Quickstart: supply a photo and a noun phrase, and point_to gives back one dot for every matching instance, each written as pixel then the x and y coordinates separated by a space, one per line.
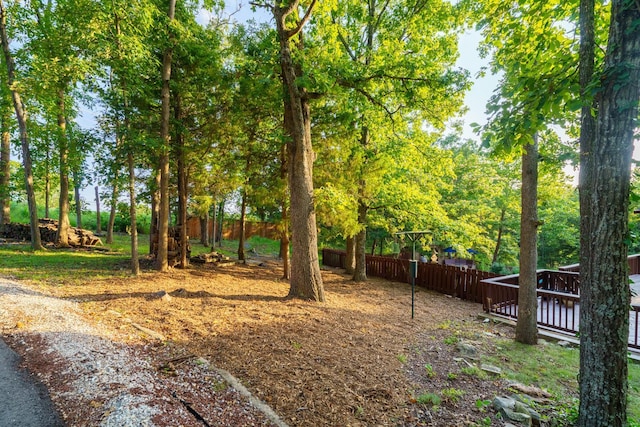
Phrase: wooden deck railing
pixel 634 265
pixel 558 301
pixel 454 281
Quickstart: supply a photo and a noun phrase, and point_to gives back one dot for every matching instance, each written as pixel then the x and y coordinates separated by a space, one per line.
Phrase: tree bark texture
pixel 496 251
pixel 76 193
pixel 98 215
pixel 527 324
pixel 241 240
pixel 284 222
pixel 183 187
pixel 360 271
pixel 306 280
pixel 47 183
pixel 360 268
pixel 605 295
pixel 113 208
pixel 135 262
pixel 5 172
pixel 63 146
pixel 350 256
pixel 21 116
pixel 163 166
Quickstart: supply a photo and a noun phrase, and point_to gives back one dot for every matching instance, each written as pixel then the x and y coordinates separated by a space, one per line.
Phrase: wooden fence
pixel 231 229
pixel 449 280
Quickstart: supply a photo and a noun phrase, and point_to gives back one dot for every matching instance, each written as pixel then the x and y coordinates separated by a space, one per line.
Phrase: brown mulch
pixel 356 360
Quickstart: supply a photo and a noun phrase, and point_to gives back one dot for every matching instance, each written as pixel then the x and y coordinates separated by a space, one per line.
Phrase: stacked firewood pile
pixel 174 250
pixel 211 257
pixel 48 231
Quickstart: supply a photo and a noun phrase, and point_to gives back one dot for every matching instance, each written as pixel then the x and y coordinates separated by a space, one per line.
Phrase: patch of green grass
pixel 451 340
pixel 452 395
pixel 402 358
pixel 452 376
pixel 59 266
pixel 474 371
pixel 555 369
pixel 430 372
pixel 429 399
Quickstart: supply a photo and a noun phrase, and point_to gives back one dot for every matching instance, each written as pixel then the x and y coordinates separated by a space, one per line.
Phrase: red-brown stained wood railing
pixel 558 291
pixel 450 280
pixel 634 265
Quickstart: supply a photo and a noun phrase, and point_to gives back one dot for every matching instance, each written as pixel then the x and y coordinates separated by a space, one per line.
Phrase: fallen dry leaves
pixel 341 363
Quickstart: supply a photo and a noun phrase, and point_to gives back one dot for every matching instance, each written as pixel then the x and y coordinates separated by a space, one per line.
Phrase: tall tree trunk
pixel 155 206
pixel 306 280
pixel 204 229
pixel 214 226
pixel 62 236
pixel 47 183
pixel 98 217
pixel 115 193
pixel 163 211
pixel 135 262
pixel 242 224
pixel 76 194
pixel 350 256
pixel 182 185
pixel 284 242
pixel 284 221
pixel 21 116
pixel 360 271
pixel 5 171
pixel 605 181
pixel 496 251
pixel 527 325
pixel 220 222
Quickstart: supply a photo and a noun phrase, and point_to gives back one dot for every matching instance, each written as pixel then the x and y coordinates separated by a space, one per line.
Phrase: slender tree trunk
pixel 284 208
pixel 63 205
pixel 496 251
pixel 350 256
pixel 5 172
pixel 76 192
pixel 115 193
pixel 182 186
pixel 284 243
pixel 155 206
pixel 214 225
pixel 98 217
pixel 220 222
pixel 204 229
pixel 360 271
pixel 47 183
pixel 242 224
pixel 21 116
pixel 306 280
pixel 163 212
pixel 605 182
pixel 527 325
pixel 135 262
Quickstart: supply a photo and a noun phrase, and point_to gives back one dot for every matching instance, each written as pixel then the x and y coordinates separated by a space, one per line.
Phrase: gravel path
pixel 95 380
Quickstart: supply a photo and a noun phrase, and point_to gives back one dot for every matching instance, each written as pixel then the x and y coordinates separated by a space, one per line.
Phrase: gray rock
pixel 564 344
pixel 519 417
pixel 501 402
pixel 467 350
pixel 490 368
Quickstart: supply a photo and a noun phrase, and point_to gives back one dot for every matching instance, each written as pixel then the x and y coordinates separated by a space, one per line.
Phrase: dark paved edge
pixel 24 401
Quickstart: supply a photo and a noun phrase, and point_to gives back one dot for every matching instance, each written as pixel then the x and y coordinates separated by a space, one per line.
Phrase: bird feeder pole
pixel 413 237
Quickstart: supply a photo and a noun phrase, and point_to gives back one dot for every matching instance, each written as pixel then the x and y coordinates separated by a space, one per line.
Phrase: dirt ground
pixel 356 360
